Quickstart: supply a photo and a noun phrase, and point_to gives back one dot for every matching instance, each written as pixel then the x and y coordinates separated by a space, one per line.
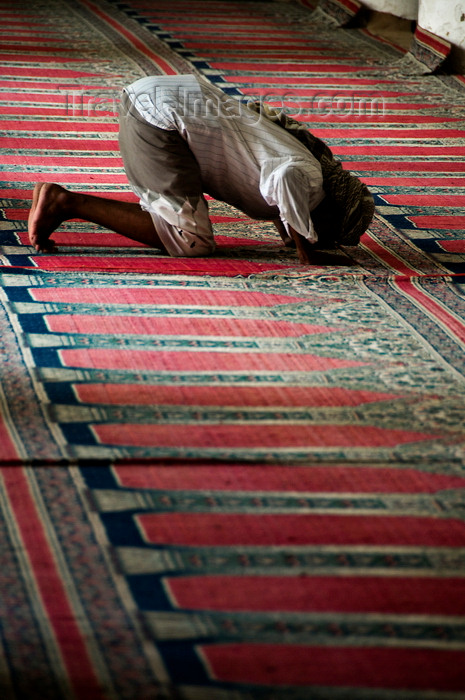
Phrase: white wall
pixel 408 9
pixel 445 18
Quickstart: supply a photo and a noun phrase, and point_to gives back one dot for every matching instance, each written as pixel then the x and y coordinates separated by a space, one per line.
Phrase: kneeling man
pixel 181 138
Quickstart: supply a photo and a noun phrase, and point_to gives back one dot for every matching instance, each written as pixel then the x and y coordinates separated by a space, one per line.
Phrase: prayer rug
pixel 234 478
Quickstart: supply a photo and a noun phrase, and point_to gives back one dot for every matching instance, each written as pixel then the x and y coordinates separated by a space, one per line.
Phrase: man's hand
pixel 310 255
pixel 303 247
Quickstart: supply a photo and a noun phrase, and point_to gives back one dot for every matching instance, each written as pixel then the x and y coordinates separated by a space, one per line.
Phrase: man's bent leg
pixel 53 204
pixel 180 242
pixel 165 175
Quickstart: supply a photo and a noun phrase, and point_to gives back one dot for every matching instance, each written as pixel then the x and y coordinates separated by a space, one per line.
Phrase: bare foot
pixel 48 211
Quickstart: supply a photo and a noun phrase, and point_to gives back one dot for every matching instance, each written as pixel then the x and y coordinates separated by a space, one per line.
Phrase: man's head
pixel 347 209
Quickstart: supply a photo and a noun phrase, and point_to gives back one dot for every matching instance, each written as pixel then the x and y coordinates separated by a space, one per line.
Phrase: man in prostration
pixel 181 138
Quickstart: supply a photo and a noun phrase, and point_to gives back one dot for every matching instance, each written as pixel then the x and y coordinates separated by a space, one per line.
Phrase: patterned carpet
pixel 234 478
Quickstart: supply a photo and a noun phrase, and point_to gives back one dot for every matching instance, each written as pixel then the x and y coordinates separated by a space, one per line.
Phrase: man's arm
pixel 304 247
pixel 284 234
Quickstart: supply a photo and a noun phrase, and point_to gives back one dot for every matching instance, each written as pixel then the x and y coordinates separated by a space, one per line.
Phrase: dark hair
pixel 327 220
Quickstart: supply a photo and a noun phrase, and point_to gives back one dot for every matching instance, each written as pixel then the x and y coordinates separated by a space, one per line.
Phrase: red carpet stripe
pixel 383 253
pixel 393 133
pixel 162 295
pixel 289 48
pixel 230 529
pixel 420 150
pixel 30 72
pixel 308 90
pixel 42 58
pixel 158 265
pixel 279 665
pixel 415 181
pixel 276 436
pixel 58 127
pixel 285 67
pixel 8 450
pixel 431 200
pixel 68 178
pixel 439 222
pixel 200 361
pixel 368 594
pixel 69 638
pixel 453 246
pixel 452 324
pixel 409 166
pixel 221 327
pixel 59 143
pixel 378 117
pixel 87 240
pixel 257 477
pixel 130 394
pixel 49 159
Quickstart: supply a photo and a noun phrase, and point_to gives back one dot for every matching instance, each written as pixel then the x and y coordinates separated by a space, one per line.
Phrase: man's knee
pixel 184 244
pixel 196 249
